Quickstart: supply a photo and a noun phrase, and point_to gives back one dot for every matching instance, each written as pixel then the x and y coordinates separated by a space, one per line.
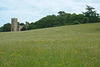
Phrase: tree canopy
pixel 91 14
pixel 6 27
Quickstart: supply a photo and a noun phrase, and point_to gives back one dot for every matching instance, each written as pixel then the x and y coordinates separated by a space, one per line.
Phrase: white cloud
pixel 33 10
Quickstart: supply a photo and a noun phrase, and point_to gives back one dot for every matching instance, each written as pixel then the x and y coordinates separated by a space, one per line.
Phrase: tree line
pixel 63 18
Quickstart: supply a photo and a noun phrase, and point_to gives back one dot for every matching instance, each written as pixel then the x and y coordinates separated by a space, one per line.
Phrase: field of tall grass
pixel 64 46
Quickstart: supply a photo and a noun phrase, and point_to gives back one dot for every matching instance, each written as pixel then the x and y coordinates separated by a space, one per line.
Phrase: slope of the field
pixel 65 46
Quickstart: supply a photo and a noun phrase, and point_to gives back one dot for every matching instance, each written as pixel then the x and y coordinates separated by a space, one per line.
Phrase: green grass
pixel 65 46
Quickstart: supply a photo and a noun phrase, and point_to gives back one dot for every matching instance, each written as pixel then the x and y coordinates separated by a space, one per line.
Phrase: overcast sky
pixel 33 10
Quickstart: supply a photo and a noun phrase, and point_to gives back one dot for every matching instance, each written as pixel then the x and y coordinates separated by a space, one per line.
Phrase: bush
pixel 76 22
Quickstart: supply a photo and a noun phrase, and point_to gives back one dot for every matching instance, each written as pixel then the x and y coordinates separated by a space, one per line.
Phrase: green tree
pixel 1 29
pixel 63 19
pixel 91 14
pixel 61 12
pixel 6 27
pixel 21 24
pixel 32 26
pixel 76 22
pixel 86 20
pixel 24 28
pixel 47 21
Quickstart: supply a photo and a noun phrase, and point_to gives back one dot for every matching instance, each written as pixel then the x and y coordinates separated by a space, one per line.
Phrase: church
pixel 14 25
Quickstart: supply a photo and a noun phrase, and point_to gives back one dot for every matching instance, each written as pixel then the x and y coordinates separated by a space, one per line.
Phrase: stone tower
pixel 14 24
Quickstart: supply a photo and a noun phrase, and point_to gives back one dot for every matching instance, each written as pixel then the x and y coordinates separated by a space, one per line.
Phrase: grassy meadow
pixel 64 46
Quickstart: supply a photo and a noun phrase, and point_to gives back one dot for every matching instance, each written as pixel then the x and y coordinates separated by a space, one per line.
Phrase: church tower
pixel 14 24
